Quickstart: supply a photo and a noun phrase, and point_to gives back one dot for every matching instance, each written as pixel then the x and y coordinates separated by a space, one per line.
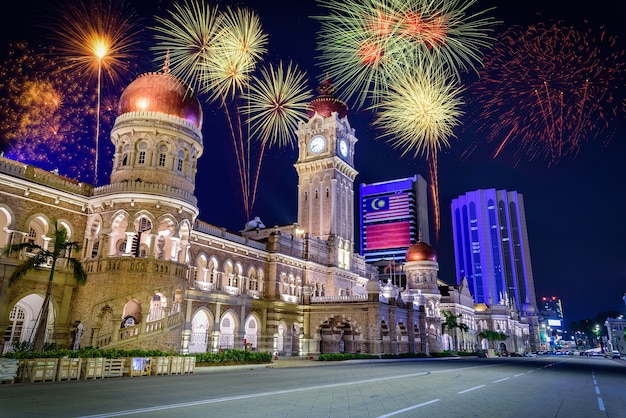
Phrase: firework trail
pixel 97 39
pixel 366 45
pixel 418 114
pixel 220 53
pixel 547 89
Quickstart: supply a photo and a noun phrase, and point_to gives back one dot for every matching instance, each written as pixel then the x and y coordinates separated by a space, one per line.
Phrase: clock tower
pixel 326 173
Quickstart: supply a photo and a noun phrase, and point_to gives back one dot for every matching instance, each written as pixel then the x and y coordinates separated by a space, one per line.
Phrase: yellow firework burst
pixel 277 102
pixel 189 36
pixel 240 45
pixel 96 36
pixel 419 111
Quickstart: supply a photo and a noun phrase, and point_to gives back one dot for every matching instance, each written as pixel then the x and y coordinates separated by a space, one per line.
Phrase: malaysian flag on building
pixel 389 235
pixel 387 208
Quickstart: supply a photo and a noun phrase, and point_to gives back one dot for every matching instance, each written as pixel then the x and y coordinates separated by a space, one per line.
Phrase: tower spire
pixel 166 64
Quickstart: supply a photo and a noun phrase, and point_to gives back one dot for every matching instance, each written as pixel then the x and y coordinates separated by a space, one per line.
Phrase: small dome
pixel 163 93
pixel 326 103
pixel 421 251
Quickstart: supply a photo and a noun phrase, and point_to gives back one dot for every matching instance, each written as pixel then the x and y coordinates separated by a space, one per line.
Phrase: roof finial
pixel 166 65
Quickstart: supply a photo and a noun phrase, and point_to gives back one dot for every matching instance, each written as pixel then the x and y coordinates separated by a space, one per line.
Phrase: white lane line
pixel 597 390
pixel 600 404
pixel 408 409
pixel 248 396
pixel 518 375
pixel 501 380
pixel 471 389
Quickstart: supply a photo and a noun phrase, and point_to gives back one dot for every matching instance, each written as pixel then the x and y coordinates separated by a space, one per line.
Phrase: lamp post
pixel 100 50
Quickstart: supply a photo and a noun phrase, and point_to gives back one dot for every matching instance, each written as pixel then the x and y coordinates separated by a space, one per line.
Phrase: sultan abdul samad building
pixel 158 277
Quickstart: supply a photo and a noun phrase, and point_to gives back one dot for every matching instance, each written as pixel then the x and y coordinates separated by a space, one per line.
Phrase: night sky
pixel 574 209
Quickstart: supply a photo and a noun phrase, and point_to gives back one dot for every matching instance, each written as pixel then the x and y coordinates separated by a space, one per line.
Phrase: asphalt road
pixel 509 387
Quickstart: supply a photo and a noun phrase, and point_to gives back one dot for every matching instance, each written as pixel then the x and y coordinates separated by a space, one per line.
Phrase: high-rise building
pixel 491 248
pixel 551 307
pixel 394 214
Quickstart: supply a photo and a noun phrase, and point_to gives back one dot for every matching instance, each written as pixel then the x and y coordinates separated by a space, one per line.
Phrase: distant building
pixel 491 247
pixel 394 214
pixel 551 307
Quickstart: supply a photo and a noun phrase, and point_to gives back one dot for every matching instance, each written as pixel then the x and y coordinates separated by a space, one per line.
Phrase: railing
pixel 209 229
pixel 289 298
pixel 148 188
pixel 125 264
pixel 231 290
pixel 335 299
pixel 204 286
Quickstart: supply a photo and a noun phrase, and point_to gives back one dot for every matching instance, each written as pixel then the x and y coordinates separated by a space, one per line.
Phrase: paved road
pixel 513 387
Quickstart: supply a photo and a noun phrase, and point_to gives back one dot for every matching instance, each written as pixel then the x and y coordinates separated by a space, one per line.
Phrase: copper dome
pixel 163 93
pixel 326 103
pixel 420 251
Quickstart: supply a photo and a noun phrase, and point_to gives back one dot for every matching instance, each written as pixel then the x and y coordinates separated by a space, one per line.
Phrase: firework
pixel 418 114
pixel 44 114
pixel 547 89
pixel 240 45
pixel 277 101
pixel 97 36
pixel 220 53
pixel 363 44
pixel 188 36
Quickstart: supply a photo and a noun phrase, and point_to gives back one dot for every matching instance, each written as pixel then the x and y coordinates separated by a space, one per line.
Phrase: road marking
pixel 597 390
pixel 600 404
pixel 248 396
pixel 408 409
pixel 471 389
pixel 518 375
pixel 501 380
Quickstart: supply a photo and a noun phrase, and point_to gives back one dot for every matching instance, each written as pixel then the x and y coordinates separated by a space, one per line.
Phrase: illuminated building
pixel 393 215
pixel 551 307
pixel 160 278
pixel 491 247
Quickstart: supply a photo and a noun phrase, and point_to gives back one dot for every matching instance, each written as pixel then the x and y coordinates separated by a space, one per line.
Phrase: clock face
pixel 343 148
pixel 317 144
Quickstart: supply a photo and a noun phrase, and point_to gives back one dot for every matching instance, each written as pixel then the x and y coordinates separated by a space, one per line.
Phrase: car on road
pixel 615 354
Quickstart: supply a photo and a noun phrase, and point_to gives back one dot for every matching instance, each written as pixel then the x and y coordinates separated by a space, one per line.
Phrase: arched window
pixel 141 156
pixel 162 155
pixel 125 155
pixel 180 161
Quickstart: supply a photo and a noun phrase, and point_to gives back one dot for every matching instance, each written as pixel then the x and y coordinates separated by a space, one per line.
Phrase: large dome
pixel 163 93
pixel 421 251
pixel 326 103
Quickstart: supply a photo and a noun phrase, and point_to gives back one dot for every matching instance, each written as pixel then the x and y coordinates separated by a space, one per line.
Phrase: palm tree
pixel 492 335
pixel 61 250
pixel 451 322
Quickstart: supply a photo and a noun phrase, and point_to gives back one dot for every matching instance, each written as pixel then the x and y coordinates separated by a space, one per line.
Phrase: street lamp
pixel 100 50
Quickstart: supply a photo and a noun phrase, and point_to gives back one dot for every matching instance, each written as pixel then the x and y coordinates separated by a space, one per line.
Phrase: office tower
pixel 491 248
pixel 551 307
pixel 393 215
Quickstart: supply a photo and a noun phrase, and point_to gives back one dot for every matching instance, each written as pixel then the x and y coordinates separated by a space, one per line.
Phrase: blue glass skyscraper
pixel 491 248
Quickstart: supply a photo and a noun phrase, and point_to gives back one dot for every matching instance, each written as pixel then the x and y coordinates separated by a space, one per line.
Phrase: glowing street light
pixel 100 50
